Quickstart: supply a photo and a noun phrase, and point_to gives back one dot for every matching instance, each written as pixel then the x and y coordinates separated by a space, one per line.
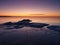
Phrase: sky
pixel 29 7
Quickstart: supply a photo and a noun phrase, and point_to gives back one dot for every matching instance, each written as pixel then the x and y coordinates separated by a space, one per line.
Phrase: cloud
pixel 37 14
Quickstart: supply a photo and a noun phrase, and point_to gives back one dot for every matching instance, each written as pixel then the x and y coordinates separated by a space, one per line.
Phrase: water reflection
pixel 28 35
pixel 53 20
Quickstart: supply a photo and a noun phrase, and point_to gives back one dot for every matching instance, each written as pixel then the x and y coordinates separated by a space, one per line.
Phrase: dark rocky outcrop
pixel 25 22
pixel 54 27
pixel 8 23
pixel 17 27
pixel 38 25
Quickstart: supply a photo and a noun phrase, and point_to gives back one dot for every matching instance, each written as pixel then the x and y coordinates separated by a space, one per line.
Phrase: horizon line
pixel 29 16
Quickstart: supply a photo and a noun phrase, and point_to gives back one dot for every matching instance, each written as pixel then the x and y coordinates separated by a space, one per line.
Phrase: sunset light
pixel 26 8
pixel 29 22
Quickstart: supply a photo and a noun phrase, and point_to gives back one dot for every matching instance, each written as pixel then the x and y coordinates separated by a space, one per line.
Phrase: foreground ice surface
pixel 29 36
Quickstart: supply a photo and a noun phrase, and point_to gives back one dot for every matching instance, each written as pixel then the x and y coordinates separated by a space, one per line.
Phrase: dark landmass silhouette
pixel 38 25
pixel 29 23
pixel 54 27
pixel 17 27
pixel 8 23
pixel 5 16
pixel 26 23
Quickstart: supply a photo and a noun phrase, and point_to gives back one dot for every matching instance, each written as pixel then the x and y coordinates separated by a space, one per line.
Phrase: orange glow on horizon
pixel 27 14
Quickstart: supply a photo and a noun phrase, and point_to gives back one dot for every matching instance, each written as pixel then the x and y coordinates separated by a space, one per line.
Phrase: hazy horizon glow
pixel 29 7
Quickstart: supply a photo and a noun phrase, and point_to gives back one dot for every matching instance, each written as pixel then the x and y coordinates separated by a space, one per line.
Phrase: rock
pixel 38 25
pixel 8 23
pixel 25 22
pixel 17 27
pixel 54 27
pixel 22 22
